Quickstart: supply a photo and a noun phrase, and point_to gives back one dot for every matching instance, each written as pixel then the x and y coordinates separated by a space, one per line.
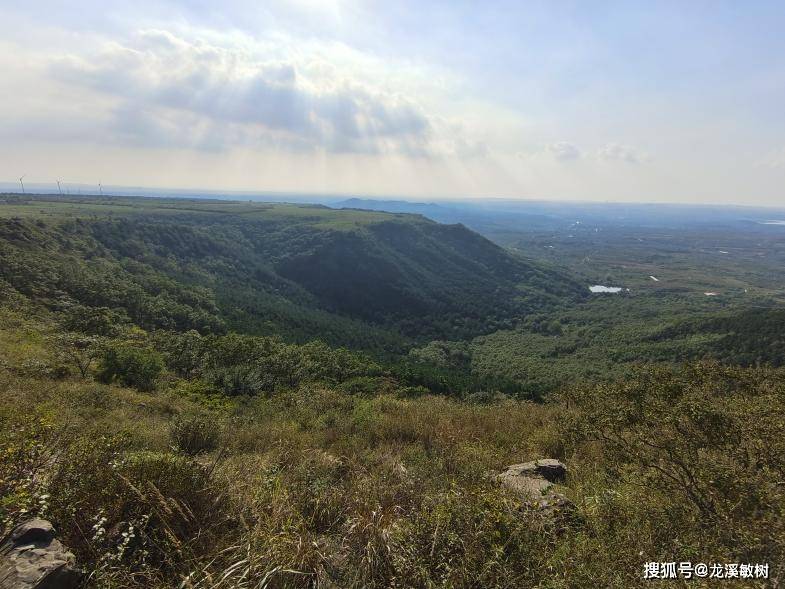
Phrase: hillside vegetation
pixel 216 394
pixel 258 463
pixel 355 278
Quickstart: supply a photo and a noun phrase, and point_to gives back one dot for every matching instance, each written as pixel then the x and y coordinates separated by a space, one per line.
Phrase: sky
pixel 653 101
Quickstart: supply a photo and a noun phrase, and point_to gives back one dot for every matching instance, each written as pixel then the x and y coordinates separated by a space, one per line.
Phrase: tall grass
pixel 315 487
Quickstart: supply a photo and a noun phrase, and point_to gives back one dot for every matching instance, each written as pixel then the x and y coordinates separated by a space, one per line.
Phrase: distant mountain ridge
pixel 503 220
pixel 490 222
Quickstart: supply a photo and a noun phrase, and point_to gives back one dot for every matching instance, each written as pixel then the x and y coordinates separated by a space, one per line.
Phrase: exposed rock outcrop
pixel 534 477
pixel 535 482
pixel 32 558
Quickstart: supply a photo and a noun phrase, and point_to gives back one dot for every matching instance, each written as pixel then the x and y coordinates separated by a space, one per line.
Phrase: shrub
pixel 486 398
pixel 466 538
pixel 78 350
pixel 130 366
pixel 703 445
pixel 201 393
pixel 97 321
pixel 194 433
pixel 23 451
pixel 367 386
pixel 240 380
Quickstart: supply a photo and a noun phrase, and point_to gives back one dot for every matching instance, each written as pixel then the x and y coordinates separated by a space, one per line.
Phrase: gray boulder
pixel 531 487
pixel 536 483
pixel 548 469
pixel 32 558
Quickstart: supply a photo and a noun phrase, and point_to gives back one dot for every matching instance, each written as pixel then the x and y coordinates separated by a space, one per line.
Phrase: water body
pixel 600 288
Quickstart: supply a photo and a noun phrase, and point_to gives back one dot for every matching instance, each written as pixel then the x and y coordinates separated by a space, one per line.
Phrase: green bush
pixel 486 397
pixel 468 538
pixel 130 366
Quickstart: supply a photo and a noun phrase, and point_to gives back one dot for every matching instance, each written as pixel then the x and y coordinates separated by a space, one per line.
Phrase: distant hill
pixel 443 214
pixel 489 220
pixel 507 221
pixel 351 277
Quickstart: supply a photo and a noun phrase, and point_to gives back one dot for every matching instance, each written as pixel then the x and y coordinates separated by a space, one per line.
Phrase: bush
pixel 704 446
pixel 468 538
pixel 486 398
pixel 367 386
pixel 241 380
pixel 23 448
pixel 194 433
pixel 202 394
pixel 97 321
pixel 130 366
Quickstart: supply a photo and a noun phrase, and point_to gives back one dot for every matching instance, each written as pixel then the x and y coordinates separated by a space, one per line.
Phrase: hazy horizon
pixel 332 199
pixel 608 102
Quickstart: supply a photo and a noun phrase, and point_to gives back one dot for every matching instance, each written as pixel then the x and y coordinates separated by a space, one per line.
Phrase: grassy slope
pixel 315 486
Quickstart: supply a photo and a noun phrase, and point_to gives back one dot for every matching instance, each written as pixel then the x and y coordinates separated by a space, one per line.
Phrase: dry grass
pixel 318 488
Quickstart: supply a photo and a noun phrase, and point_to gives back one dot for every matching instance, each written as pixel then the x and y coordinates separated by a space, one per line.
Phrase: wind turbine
pixel 100 189
pixel 21 178
pixel 60 190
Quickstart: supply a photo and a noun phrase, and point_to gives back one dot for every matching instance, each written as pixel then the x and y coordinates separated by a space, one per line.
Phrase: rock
pixel 533 479
pixel 536 484
pixel 555 504
pixel 33 531
pixel 549 469
pixel 32 558
pixel 529 486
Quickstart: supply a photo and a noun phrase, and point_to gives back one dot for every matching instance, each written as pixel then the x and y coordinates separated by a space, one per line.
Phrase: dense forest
pixel 361 279
pixel 228 394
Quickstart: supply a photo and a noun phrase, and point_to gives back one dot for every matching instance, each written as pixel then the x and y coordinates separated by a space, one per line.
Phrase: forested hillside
pixel 368 280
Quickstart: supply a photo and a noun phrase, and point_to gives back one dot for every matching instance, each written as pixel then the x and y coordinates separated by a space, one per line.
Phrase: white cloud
pixel 622 153
pixel 563 151
pixel 169 91
pixel 775 159
pixel 351 96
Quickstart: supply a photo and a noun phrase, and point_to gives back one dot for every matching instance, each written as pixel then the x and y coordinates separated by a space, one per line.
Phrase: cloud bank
pixel 563 151
pixel 615 152
pixel 408 98
pixel 168 91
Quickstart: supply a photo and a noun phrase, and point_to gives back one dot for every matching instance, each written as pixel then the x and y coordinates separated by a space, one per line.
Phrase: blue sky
pixel 653 101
